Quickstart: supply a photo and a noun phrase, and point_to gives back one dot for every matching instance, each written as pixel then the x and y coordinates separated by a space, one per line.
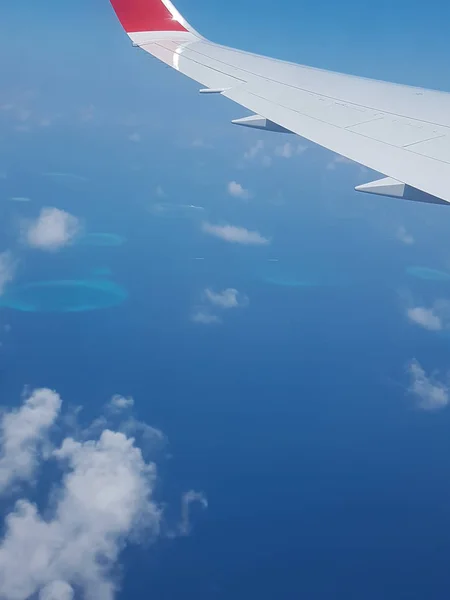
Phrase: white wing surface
pixel 402 132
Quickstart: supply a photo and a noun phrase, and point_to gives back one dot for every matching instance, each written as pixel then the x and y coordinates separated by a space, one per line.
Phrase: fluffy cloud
pixel 285 151
pixel 289 150
pixel 430 394
pixel 404 237
pixel 205 318
pixel 425 317
pixel 236 235
pixel 103 501
pixel 119 403
pixel 229 298
pixel 224 300
pixel 57 590
pixel 236 190
pixel 255 152
pixel 435 318
pixel 52 230
pixel 105 497
pixel 22 433
pixel 7 268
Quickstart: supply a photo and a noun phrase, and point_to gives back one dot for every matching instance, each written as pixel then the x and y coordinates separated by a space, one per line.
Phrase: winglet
pixel 138 16
pixel 397 189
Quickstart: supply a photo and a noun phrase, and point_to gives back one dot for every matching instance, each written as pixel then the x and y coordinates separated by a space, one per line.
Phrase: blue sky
pixel 297 384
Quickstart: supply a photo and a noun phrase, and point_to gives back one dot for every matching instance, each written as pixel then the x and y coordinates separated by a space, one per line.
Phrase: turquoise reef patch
pixel 65 178
pixel 101 272
pixel 101 239
pixel 298 276
pixel 64 296
pixel 289 281
pixel 428 274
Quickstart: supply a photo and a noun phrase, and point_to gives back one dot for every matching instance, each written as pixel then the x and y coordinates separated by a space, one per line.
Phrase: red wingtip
pixel 145 15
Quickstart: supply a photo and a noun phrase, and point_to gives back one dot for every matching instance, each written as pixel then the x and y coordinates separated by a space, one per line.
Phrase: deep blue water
pixel 292 417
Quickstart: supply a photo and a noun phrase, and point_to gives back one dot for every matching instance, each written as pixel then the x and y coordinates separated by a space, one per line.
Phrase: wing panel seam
pixel 333 98
pixel 347 130
pixel 203 65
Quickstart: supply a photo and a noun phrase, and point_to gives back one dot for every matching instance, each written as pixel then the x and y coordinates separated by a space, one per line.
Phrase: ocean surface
pixel 323 480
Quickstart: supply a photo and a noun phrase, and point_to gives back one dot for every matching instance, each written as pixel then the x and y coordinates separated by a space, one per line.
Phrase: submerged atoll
pixel 69 295
pixel 428 274
pixel 100 239
pixel 101 272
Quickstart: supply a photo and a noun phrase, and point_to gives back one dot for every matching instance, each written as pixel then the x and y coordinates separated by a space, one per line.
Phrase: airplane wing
pixel 400 131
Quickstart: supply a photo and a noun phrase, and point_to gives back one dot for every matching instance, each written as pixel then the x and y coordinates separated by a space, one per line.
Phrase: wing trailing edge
pixel 399 131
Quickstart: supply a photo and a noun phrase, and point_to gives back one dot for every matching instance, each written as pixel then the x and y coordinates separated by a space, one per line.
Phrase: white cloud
pixel 226 299
pixel 7 268
pixel 236 190
pixel 254 150
pixel 187 500
pixel 135 137
pixel 435 318
pixel 57 590
pixel 119 403
pixel 150 436
pixel 255 153
pixel 285 151
pixel 229 298
pixel 404 237
pixel 425 317
pixel 205 318
pixel 103 501
pixel 191 206
pixel 22 433
pixel 288 150
pixel 236 235
pixel 105 498
pixel 52 230
pixel 338 160
pixel 430 394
